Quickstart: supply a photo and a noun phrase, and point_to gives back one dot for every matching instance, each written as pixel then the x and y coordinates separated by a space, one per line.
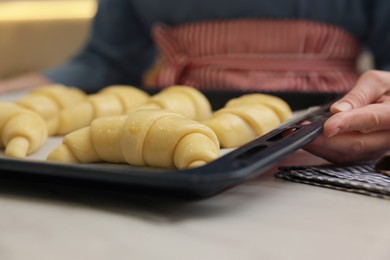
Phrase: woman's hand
pixel 359 128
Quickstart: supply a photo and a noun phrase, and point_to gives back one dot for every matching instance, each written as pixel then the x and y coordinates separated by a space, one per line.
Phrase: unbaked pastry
pixel 238 125
pixel 185 100
pixel 22 131
pixel 244 118
pixel 281 108
pixel 49 100
pixel 111 100
pixel 150 137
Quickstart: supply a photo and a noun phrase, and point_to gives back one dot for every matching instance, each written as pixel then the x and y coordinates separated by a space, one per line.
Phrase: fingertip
pixel 341 106
pixel 333 126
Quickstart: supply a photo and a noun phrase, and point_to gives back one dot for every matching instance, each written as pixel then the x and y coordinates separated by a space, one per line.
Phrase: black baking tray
pixel 231 169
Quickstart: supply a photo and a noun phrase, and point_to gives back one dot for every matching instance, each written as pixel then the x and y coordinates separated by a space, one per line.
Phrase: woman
pixel 246 45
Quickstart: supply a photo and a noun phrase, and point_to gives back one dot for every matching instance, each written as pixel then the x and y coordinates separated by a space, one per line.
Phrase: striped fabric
pixel 257 55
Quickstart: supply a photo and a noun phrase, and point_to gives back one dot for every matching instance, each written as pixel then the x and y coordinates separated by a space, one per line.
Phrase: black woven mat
pixel 358 178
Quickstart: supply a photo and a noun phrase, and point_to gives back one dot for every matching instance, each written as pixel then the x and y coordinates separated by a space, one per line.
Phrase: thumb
pixel 368 89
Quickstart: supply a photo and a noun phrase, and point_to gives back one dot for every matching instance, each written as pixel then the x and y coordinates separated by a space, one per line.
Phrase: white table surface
pixel 265 218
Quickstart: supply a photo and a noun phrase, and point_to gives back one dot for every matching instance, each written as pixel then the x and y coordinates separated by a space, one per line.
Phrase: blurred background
pixel 38 34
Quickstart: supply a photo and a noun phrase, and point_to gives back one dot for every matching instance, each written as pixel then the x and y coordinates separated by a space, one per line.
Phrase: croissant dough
pixel 278 105
pixel 22 131
pixel 49 100
pixel 151 137
pixel 112 100
pixel 247 117
pixel 185 100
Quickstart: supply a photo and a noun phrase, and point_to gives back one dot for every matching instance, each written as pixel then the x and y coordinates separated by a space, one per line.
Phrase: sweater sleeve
pixel 118 51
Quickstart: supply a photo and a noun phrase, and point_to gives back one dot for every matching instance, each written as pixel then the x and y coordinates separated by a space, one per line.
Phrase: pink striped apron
pixel 256 55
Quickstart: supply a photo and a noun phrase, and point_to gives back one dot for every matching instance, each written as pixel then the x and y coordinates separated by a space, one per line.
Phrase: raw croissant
pixel 184 100
pixel 244 118
pixel 281 108
pixel 151 137
pixel 22 131
pixel 112 100
pixel 49 100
